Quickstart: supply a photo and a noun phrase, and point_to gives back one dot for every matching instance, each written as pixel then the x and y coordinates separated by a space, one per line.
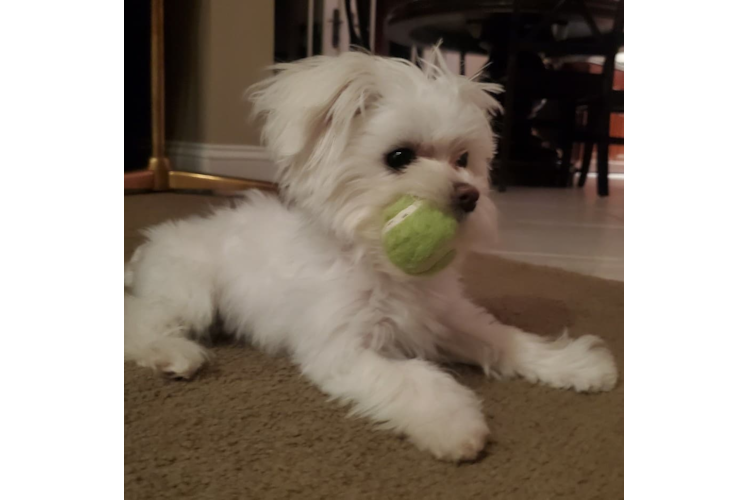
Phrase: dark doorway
pixel 137 84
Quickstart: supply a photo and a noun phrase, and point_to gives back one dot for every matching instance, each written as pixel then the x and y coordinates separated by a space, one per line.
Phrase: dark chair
pixel 580 117
pixel 597 134
pixel 573 91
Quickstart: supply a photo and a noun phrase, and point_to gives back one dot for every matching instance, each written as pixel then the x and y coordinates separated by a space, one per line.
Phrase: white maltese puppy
pixel 307 274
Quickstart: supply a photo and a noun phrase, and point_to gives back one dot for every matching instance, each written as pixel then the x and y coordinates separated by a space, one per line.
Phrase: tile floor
pixel 576 230
pixel 572 228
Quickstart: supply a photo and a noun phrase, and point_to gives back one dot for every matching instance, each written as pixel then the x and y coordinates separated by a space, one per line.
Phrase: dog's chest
pixel 400 320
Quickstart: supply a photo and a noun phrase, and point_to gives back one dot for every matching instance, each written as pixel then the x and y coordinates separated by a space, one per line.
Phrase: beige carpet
pixel 249 427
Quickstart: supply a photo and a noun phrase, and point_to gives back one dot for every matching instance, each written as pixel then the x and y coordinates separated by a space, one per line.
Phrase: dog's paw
pixel 454 437
pixel 175 357
pixel 598 372
pixel 585 365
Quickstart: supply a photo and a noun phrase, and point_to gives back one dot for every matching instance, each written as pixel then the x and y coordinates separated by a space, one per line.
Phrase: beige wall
pixel 215 49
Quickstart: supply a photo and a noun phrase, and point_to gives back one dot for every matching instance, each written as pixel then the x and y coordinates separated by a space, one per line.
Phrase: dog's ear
pixel 309 106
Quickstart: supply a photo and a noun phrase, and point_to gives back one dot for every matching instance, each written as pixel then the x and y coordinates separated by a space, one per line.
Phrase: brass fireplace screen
pixel 159 176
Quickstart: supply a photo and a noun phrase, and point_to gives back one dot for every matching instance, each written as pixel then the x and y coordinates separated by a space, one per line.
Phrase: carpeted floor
pixel 248 427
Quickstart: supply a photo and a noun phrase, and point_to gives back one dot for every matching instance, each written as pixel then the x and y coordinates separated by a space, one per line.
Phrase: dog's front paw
pixel 453 437
pixel 583 364
pixel 597 372
pixel 174 357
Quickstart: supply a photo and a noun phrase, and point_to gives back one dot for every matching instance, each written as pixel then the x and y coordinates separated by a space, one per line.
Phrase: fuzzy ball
pixel 418 237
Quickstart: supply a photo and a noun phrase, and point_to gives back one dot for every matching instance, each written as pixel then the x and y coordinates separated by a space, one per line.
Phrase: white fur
pixel 307 275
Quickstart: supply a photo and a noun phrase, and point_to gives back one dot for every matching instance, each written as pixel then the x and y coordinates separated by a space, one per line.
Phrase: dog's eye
pixel 400 158
pixel 462 161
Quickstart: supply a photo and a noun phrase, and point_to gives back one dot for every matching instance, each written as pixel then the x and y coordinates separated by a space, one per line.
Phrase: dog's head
pixel 353 133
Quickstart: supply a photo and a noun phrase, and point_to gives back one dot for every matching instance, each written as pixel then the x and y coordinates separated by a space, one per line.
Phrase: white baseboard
pixel 244 162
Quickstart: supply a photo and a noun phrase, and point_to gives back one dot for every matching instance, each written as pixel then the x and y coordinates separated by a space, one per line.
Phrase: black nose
pixel 465 197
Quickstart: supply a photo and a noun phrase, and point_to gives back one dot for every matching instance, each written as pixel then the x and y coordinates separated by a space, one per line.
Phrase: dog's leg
pixel 155 338
pixel 170 298
pixel 409 396
pixel 583 364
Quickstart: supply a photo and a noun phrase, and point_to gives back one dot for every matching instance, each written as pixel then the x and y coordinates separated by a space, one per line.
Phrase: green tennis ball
pixel 418 237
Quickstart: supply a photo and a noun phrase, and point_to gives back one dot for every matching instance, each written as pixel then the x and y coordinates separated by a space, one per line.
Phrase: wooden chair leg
pixel 590 124
pixel 609 69
pixel 602 166
pixel 602 131
pixel 603 142
pixel 569 115
pixel 586 161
